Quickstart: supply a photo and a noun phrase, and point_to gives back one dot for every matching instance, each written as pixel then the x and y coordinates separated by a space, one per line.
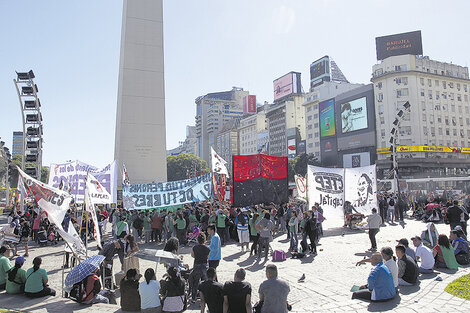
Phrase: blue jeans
pixel 294 241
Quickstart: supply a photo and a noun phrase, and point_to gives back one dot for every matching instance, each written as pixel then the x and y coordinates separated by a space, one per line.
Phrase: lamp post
pixel 393 144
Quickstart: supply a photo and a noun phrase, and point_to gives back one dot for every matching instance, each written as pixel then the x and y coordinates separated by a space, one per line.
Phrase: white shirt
pixel 426 257
pixel 393 267
pixel 149 294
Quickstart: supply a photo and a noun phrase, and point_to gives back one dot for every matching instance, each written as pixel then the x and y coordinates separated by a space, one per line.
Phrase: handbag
pixel 257 307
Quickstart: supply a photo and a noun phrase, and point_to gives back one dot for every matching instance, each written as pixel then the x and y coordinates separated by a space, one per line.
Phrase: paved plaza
pixel 329 276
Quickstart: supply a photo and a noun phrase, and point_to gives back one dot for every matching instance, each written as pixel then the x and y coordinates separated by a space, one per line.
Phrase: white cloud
pixel 283 19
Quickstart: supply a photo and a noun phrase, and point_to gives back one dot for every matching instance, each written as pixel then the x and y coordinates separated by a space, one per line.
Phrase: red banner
pixel 274 167
pixel 246 167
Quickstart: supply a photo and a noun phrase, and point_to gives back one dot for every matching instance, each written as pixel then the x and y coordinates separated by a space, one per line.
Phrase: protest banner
pixel 326 187
pixel 361 188
pixel 55 203
pixel 155 195
pixel 301 184
pixel 74 173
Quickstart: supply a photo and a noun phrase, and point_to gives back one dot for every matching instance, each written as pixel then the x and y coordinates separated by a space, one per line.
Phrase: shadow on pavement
pixel 406 290
pixel 428 276
pixel 341 231
pixel 384 306
pixel 233 256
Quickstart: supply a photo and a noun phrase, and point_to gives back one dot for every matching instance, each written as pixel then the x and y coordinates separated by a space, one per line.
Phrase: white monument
pixel 140 141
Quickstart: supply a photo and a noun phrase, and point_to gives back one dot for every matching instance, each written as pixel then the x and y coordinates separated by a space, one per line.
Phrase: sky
pixel 209 45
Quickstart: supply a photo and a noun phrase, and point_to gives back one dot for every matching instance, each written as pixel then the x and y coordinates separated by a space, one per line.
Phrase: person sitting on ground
pixel 211 293
pixel 430 235
pixel 389 261
pixel 443 252
pixel 130 297
pixel 36 281
pixel 237 294
pixel 407 268
pixel 380 285
pixel 460 248
pixel 16 277
pixel 93 292
pixel 172 290
pixel 461 232
pixel 273 292
pixel 409 251
pixel 424 255
pixel 5 266
pixel 149 291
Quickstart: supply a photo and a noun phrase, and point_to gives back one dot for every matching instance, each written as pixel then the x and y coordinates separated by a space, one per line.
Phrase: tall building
pixel 140 141
pixel 251 126
pixel 188 146
pixel 227 143
pixel 212 112
pixel 18 144
pixel 438 125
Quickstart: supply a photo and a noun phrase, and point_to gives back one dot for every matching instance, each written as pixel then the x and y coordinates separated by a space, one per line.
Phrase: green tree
pixel 45 174
pixel 182 166
pixel 298 166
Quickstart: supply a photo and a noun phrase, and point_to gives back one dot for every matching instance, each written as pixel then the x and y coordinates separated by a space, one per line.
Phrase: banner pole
pixel 63 273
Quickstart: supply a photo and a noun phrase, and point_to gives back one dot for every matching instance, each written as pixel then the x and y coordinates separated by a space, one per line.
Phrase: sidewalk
pixel 329 276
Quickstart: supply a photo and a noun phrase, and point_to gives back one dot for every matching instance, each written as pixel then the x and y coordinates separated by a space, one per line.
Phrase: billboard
pixel 319 71
pixel 327 118
pixel 399 44
pixel 249 104
pixel 356 141
pixel 356 159
pixel 329 151
pixel 291 148
pixel 354 115
pixel 433 149
pixel 286 85
pixel 301 147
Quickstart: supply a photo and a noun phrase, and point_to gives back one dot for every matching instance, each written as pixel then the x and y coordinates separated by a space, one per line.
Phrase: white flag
pixel 21 188
pixel 301 184
pixel 125 176
pixel 55 203
pixel 95 193
pixel 218 164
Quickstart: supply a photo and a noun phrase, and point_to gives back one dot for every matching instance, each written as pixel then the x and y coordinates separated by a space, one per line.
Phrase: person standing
pixel 374 221
pixel 242 229
pixel 273 292
pixel 453 215
pixel 293 225
pixel 200 253
pixel 147 228
pixel 216 251
pixel 221 217
pixel 311 231
pixel 181 228
pixel 254 233
pixel 237 294
pixel 264 227
pixel 391 210
pixel 157 227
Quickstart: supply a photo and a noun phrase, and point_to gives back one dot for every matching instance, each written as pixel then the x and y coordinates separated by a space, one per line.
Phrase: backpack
pixel 77 293
pixel 279 256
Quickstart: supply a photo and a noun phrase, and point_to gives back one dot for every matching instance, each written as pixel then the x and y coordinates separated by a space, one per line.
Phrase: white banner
pixel 361 188
pixel 218 164
pixel 326 187
pixel 55 203
pixel 301 184
pixel 75 174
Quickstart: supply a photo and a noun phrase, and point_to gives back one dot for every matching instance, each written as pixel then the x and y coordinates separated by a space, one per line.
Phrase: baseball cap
pixel 458 227
pixel 20 260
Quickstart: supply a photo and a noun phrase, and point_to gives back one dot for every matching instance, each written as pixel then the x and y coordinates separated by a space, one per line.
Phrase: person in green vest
pixel 212 218
pixel 221 217
pixel 181 228
pixel 192 221
pixel 122 228
pixel 254 233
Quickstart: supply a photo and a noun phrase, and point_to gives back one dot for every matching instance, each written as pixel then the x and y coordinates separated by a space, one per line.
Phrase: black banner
pixel 260 190
pixel 399 44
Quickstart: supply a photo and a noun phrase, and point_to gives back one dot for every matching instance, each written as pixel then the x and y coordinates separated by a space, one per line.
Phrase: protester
pixel 443 252
pixel 147 228
pixel 36 281
pixel 254 234
pixel 242 230
pixel 5 265
pixel 430 235
pixel 423 254
pixel 391 210
pixel 181 228
pixel 407 268
pixel 93 292
pixel 293 226
pixel 122 228
pixel 373 221
pixel 273 292
pixel 25 233
pixel 109 250
pixel 408 250
pixel 390 263
pixel 149 291
pixel 215 246
pixel 460 245
pixel 237 294
pixel 211 293
pixel 172 290
pixel 221 219
pixel 453 215
pixel 200 253
pixel 264 227
pixel 130 297
pixel 157 227
pixel 380 285
pixel 16 277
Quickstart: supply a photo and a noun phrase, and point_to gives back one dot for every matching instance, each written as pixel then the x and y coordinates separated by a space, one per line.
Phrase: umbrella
pixel 83 270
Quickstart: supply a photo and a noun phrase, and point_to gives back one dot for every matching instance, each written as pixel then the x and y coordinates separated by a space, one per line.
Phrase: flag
pixel 301 184
pixel 218 164
pixel 95 193
pixel 125 177
pixel 21 188
pixel 55 203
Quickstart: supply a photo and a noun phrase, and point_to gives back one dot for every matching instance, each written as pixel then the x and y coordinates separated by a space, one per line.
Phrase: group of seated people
pixel 15 280
pixel 433 250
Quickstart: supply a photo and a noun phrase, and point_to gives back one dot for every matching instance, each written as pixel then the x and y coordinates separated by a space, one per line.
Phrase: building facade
pixel 227 142
pixel 140 141
pixel 17 144
pixel 439 118
pixel 212 112
pixel 251 126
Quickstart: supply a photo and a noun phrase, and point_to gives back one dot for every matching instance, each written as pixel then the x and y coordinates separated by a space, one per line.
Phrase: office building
pixel 251 130
pixel 18 144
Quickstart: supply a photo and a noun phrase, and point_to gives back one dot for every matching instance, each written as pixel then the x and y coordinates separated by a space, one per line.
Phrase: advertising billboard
pixel 433 149
pixel 399 44
pixel 356 159
pixel 301 147
pixel 249 104
pixel 356 141
pixel 320 71
pixel 291 148
pixel 354 115
pixel 329 151
pixel 327 118
pixel 286 85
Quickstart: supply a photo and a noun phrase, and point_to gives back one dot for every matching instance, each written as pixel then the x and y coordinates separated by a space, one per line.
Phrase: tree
pixel 298 166
pixel 182 166
pixel 45 174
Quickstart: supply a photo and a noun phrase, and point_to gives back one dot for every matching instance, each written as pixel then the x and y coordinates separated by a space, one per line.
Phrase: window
pixel 444 84
pixel 459 97
pixel 381 108
pixel 452 107
pixel 447 121
pixel 451 85
pixel 382 120
pixel 310 136
pixel 461 121
pixel 439 119
pixel 444 95
pixel 437 95
pixel 400 68
pixel 310 145
pixel 430 94
pixel 451 96
pixel 431 119
pixel 379 72
pixel 454 131
pixel 439 131
pixel 465 87
pixel 467 121
pixel 317 144
pixel 309 126
pixel 379 85
pixel 447 132
pixel 315 125
pixel 309 118
pixel 380 97
pixel 316 135
pixel 422 93
pixel 315 116
pixel 424 117
pixel 402 92
pixel 460 109
pixel 382 133
pixel 436 82
pixel 421 81
pixel 458 86
pixel 437 107
pixel 465 98
pixel 309 108
pixel 429 83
